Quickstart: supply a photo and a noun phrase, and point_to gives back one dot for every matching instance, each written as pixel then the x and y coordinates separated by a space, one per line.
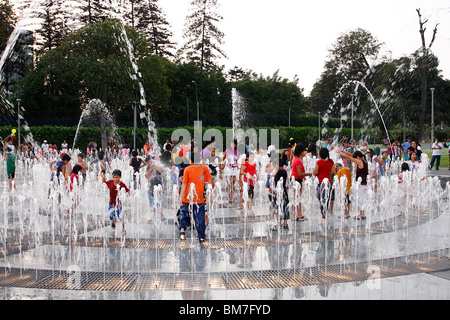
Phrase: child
pixel 10 159
pixel 83 165
pixel 232 168
pixel 248 170
pixel 403 187
pixel 341 171
pixel 64 146
pixel 362 171
pixel 413 163
pixel 281 175
pixel 324 169
pixel 213 162
pixel 62 166
pixel 137 164
pixel 198 175
pixel 100 162
pixel 299 174
pixel 154 179
pixel 384 161
pixel 373 167
pixel 73 176
pixel 115 206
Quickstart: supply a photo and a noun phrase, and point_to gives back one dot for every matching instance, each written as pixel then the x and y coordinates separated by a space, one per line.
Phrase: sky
pixel 294 36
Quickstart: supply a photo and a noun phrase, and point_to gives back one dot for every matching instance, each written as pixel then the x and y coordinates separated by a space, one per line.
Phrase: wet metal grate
pixel 116 281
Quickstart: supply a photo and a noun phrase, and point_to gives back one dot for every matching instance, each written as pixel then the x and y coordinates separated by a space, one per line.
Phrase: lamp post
pixel 196 98
pixel 289 117
pixel 135 103
pixel 290 107
pixel 432 116
pixel 18 119
pixel 319 127
pixel 352 113
pixel 187 111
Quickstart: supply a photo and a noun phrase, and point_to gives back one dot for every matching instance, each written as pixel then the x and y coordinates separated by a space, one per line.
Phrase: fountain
pixel 239 111
pixel 73 253
pixel 58 241
pixel 96 111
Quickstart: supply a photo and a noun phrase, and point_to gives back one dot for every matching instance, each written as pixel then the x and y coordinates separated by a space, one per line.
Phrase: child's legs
pixel 433 159
pixel 286 216
pixel 199 217
pixel 297 196
pixel 116 213
pixel 323 199
pixel 112 213
pixel 11 180
pixel 251 195
pixel 331 197
pixel 362 196
pixel 347 203
pixel 184 216
pixel 438 163
pixel 151 201
pixel 231 182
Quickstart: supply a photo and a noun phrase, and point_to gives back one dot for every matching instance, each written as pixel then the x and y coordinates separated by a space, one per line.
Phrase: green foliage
pixel 93 63
pixel 269 99
pixel 7 23
pixel 204 39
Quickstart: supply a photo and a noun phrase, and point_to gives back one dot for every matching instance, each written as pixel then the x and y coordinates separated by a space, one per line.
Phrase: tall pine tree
pixel 53 29
pixel 95 11
pixel 153 24
pixel 204 39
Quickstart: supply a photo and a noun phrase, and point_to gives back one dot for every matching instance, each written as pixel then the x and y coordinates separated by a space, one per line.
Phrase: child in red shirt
pixel 115 206
pixel 325 167
pixel 248 170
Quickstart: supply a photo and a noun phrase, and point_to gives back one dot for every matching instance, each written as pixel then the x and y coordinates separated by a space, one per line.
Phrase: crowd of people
pixel 240 167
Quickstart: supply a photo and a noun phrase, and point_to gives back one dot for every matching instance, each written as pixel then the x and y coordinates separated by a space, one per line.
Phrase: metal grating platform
pixel 431 262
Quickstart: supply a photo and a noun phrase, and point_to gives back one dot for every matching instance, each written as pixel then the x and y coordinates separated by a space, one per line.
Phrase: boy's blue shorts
pixel 152 202
pixel 115 213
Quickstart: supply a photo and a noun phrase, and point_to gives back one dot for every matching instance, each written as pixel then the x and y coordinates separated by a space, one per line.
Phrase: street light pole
pixel 352 113
pixel 187 111
pixel 319 127
pixel 18 119
pixel 135 125
pixel 432 116
pixel 289 117
pixel 196 98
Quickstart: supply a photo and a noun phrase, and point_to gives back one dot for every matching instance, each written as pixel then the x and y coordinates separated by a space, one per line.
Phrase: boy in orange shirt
pixel 341 171
pixel 198 175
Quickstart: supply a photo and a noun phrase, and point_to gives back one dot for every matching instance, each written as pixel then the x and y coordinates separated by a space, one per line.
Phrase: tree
pixel 7 23
pixel 424 64
pixel 351 58
pixel 92 63
pixel 153 24
pixel 236 74
pixel 94 11
pixel 270 98
pixel 53 29
pixel 15 62
pixel 353 55
pixel 213 93
pixel 15 65
pixel 203 36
